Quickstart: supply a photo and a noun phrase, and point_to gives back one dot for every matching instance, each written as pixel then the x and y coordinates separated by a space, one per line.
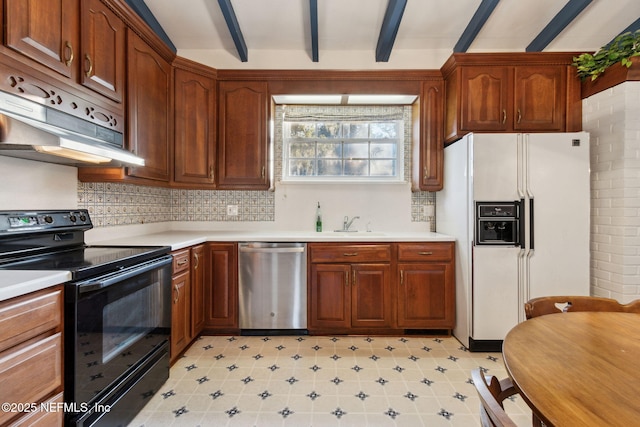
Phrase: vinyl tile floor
pixel 324 381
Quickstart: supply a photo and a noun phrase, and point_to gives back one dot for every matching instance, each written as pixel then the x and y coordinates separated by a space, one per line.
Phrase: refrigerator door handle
pixel 527 179
pixel 522 274
pixel 520 166
pixel 531 223
pixel 521 224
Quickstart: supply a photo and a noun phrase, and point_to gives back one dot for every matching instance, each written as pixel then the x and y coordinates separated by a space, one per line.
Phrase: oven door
pixel 114 324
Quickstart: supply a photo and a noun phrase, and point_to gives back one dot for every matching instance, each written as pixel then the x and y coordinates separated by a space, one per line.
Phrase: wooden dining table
pixel 578 368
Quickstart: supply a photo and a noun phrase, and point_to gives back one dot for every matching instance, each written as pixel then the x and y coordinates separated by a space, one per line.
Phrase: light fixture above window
pixel 344 99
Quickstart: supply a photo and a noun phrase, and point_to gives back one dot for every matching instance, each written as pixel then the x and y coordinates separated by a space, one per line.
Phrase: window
pixel 343 150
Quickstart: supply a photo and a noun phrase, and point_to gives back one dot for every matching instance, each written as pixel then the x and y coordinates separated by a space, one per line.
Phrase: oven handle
pixel 117 277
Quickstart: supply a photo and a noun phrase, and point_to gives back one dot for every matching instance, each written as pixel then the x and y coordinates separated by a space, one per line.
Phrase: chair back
pixel 562 304
pixel 492 393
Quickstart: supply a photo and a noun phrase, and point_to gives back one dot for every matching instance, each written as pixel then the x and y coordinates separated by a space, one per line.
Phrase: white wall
pixel 613 119
pixel 27 184
pixel 383 207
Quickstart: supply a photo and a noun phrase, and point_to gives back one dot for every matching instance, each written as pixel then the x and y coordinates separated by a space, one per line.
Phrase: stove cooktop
pixel 88 261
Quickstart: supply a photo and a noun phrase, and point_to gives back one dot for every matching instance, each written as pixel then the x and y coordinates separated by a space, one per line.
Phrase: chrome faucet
pixel 347 223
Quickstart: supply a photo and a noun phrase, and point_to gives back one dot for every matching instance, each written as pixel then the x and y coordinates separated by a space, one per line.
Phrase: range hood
pixel 29 130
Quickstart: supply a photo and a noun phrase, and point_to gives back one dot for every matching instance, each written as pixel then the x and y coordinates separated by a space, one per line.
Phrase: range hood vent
pixel 29 130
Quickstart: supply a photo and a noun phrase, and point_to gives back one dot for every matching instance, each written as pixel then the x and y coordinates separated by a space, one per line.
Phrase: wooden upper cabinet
pixel 150 114
pixel 103 50
pixel 539 98
pixel 82 40
pixel 528 92
pixel 195 129
pixel 45 31
pixel 485 98
pixel 428 147
pixel 243 145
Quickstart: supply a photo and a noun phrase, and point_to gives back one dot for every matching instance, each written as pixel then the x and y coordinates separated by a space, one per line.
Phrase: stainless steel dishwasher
pixel 273 287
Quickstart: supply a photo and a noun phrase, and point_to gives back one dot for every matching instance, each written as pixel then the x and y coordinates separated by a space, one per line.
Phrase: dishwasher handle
pixel 271 250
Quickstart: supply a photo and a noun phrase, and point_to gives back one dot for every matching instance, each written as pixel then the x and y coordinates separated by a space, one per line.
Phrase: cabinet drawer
pixel 41 417
pixel 181 260
pixel 27 316
pixel 350 253
pixel 30 372
pixel 425 252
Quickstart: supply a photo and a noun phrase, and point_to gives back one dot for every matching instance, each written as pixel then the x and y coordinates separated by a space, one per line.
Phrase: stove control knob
pixel 48 219
pixel 83 217
pixel 72 218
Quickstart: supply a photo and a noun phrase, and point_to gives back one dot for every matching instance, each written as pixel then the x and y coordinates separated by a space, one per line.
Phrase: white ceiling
pixel 277 32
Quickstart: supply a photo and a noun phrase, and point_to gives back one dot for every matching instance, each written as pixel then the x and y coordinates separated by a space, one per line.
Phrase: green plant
pixel 621 49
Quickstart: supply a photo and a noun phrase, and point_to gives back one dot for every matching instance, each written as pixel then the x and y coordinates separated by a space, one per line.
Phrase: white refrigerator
pixel 548 174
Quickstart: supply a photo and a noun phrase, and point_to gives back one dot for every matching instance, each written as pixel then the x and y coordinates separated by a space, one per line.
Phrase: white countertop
pixel 177 239
pixel 14 283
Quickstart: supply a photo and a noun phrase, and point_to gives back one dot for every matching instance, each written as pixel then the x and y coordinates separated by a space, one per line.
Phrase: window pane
pixel 384 130
pixel 299 167
pixel 383 168
pixel 358 150
pixel 379 150
pixel 329 150
pixel 356 130
pixel 356 167
pixel 303 130
pixel 302 149
pixel 330 167
pixel 329 130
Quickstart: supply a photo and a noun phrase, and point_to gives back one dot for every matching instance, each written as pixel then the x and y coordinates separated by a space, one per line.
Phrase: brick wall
pixel 613 119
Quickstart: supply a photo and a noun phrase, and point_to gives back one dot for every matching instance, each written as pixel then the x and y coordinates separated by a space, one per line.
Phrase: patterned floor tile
pixel 324 381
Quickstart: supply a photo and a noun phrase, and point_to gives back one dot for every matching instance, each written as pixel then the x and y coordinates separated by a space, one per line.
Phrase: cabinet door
pixel 426 295
pixel 370 295
pixel 180 322
pixel 103 42
pixel 539 98
pixel 428 148
pixel 195 140
pixel 45 31
pixel 243 144
pixel 330 296
pixel 150 99
pixel 221 293
pixel 197 290
pixel 485 100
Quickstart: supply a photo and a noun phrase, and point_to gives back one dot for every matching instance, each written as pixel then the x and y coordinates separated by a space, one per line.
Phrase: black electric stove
pixel 117 312
pixel 54 240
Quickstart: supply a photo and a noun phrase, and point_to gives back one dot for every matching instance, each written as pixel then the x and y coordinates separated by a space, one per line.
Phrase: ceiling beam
pixel 143 11
pixel 234 28
pixel 475 25
pixel 313 16
pixel 559 22
pixel 389 29
pixel 635 26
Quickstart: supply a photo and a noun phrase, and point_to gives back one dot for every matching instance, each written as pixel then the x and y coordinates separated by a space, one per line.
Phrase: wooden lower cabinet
pixel 221 293
pixel 31 355
pixel 384 288
pixel 180 303
pixel 197 290
pixel 351 295
pixel 425 286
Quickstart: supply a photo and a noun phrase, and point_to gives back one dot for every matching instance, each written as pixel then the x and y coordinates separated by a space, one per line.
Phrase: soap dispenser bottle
pixel 318 219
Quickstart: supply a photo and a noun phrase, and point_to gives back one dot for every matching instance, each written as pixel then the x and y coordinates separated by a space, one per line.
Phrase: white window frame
pixel 399 155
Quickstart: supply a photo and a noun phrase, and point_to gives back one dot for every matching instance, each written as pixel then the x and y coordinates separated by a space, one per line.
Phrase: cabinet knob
pixel 504 116
pixel 402 277
pixel 425 253
pixel 519 116
pixel 350 254
pixel 69 48
pixel 196 258
pixel 425 175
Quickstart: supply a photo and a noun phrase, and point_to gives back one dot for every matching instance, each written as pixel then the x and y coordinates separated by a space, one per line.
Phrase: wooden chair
pixel 562 304
pixel 492 393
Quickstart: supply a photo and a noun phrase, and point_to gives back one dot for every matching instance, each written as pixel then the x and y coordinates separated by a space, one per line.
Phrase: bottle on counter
pixel 318 219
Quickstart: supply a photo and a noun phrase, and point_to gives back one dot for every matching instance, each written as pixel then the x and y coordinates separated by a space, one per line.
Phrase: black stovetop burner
pixel 54 240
